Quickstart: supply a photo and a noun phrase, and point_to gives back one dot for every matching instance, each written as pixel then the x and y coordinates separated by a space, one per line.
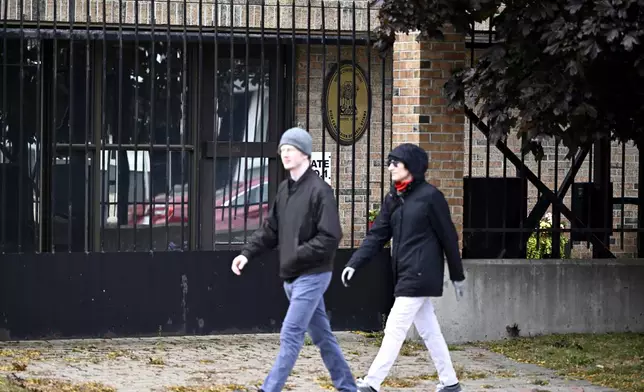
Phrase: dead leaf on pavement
pixel 49 385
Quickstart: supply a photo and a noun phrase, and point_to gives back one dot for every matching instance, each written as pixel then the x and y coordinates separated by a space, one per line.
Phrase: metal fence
pixel 153 125
pixel 516 206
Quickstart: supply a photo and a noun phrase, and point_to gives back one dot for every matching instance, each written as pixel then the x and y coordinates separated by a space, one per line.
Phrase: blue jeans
pixel 306 311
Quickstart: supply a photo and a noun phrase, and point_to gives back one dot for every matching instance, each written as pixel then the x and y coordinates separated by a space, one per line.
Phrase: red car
pixel 243 205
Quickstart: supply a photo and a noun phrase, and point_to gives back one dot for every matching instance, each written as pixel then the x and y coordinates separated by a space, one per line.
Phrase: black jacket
pixel 420 223
pixel 304 223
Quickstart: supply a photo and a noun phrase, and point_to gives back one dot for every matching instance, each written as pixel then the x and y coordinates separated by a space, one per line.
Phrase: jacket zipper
pixel 290 193
pixel 402 201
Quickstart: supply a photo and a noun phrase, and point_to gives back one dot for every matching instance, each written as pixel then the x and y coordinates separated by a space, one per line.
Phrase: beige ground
pixel 239 362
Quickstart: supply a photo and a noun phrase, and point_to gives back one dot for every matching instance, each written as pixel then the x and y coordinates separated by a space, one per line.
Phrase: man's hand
pixel 459 287
pixel 347 274
pixel 238 264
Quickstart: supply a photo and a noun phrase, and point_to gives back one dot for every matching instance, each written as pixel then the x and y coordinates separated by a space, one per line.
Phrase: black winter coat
pixel 422 230
pixel 304 223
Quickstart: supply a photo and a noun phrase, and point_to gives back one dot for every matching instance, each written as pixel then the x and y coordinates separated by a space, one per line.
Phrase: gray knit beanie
pixel 298 138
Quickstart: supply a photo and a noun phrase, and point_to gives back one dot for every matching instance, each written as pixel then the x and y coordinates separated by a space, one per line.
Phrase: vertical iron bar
pixel 215 129
pixel 263 131
pixel 21 137
pixel 119 127
pixel 522 176
pixel 41 137
pixel 89 97
pixel 590 180
pixel 640 198
pixel 33 162
pixel 570 242
pixel 196 207
pixel 247 179
pixel 621 234
pixel 368 182
pixel 487 191
pixel 353 124
pixel 308 66
pixel 339 126
pixel 556 214
pixel 184 95
pixel 487 165
pixel 487 159
pixel 71 135
pixel 239 167
pixel 505 204
pixel 538 235
pixel 5 160
pixel 607 200
pixel 136 121
pixel 103 137
pixel 168 119
pixel 324 53
pixel 293 68
pixel 152 136
pixel 279 75
pixel 53 132
pixel 470 144
pixel 383 70
pixel 231 93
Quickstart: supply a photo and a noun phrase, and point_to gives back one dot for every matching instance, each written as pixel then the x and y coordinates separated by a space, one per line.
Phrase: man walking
pixel 304 223
pixel 417 216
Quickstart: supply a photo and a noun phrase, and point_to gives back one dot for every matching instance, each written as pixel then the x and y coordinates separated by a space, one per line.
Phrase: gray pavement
pixel 239 362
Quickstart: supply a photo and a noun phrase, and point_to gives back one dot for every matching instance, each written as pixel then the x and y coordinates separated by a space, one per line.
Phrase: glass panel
pixel 134 115
pixel 145 99
pixel 19 145
pixel 242 110
pixel 253 196
pixel 247 97
pixel 241 197
pixel 146 189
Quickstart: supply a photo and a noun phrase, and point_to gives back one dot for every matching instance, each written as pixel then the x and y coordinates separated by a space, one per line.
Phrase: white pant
pixel 408 310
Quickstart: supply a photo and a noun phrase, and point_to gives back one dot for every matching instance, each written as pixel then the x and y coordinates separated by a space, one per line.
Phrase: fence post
pixel 420 113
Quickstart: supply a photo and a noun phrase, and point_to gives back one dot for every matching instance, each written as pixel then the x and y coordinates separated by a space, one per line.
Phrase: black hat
pixel 413 157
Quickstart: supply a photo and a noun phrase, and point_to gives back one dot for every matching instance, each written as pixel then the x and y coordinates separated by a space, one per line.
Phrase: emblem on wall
pixel 342 103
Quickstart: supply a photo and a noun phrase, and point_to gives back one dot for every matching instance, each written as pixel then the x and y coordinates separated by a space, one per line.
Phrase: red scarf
pixel 401 185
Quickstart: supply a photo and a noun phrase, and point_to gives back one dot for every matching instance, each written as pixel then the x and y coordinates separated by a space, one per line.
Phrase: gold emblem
pixel 343 103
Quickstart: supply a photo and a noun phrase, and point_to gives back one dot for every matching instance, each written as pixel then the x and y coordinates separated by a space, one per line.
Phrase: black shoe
pixel 366 388
pixel 451 388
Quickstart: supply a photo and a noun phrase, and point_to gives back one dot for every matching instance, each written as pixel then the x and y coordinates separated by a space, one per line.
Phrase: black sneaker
pixel 366 388
pixel 451 388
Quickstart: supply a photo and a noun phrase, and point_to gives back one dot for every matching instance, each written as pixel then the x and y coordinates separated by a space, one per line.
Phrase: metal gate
pixel 139 150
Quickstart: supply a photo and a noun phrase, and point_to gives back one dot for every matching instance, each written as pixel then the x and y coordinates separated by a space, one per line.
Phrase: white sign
pixel 322 166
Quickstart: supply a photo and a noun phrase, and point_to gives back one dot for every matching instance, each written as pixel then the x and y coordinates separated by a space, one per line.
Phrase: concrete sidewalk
pixel 240 362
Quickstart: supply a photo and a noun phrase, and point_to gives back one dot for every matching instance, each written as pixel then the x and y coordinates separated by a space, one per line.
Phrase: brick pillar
pixel 420 113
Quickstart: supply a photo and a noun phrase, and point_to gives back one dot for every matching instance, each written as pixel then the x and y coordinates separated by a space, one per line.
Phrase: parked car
pixel 244 203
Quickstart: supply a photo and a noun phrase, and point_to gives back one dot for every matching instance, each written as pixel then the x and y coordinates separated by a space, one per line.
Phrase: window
pixel 259 193
pixel 123 120
pixel 240 165
pixel 253 196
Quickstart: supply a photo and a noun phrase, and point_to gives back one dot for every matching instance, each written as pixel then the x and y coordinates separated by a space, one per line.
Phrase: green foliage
pixel 544 247
pixel 373 214
pixel 572 69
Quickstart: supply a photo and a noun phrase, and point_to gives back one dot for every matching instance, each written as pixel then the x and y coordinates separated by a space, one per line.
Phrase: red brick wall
pixel 420 113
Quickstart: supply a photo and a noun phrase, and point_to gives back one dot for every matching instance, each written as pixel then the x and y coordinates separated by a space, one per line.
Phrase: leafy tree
pixel 573 69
